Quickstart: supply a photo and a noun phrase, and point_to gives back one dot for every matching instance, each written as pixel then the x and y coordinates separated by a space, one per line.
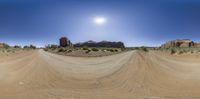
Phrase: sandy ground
pixel 129 75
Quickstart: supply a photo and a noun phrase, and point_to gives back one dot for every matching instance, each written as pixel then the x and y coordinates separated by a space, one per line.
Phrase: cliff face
pixel 100 44
pixel 180 43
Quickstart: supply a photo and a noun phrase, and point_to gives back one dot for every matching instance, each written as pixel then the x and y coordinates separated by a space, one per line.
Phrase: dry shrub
pixel 173 51
pixel 116 50
pixel 45 49
pixel 69 51
pixel 88 51
pixel 144 49
pixel 95 49
pixel 85 48
pixel 61 50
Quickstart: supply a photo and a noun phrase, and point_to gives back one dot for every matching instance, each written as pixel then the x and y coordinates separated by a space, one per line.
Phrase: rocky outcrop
pixel 197 44
pixel 1 45
pixel 65 42
pixel 4 45
pixel 185 43
pixel 100 44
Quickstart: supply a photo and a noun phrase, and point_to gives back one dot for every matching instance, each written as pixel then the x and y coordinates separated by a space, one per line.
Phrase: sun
pixel 100 20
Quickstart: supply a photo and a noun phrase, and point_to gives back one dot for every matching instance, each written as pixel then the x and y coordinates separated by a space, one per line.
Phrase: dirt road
pixel 130 75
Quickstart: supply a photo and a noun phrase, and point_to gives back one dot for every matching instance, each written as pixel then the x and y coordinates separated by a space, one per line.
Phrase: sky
pixel 134 22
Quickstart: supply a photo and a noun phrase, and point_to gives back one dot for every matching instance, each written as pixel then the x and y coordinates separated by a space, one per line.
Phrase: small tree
pixel 32 46
pixel 26 46
pixel 173 51
pixel 112 50
pixel 144 49
pixel 61 50
pixel 116 50
pixel 17 46
pixel 85 48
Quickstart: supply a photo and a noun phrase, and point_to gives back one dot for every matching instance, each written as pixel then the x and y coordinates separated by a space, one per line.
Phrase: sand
pixel 129 75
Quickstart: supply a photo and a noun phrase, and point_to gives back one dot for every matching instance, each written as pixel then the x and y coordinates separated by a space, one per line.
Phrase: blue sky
pixel 135 22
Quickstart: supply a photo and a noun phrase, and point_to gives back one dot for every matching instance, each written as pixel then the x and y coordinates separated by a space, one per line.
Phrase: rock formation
pixel 65 42
pixel 1 45
pixel 197 44
pixel 4 45
pixel 185 43
pixel 100 44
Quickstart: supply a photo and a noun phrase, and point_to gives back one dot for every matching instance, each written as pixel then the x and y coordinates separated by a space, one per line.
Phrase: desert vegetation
pixel 179 51
pixel 88 48
pixel 6 49
pixel 84 51
pixel 29 47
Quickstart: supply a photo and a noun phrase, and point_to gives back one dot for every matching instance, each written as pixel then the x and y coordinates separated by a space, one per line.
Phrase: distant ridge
pixel 91 43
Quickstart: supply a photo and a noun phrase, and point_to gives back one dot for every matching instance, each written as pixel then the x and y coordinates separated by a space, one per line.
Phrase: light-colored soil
pixel 129 75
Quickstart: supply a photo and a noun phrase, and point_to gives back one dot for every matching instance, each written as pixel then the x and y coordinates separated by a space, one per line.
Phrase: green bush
pixel 69 51
pixel 32 46
pixel 17 46
pixel 111 50
pixel 95 49
pixel 85 48
pixel 88 51
pixel 61 50
pixel 181 52
pixel 173 51
pixel 144 49
pixel 26 46
pixel 46 49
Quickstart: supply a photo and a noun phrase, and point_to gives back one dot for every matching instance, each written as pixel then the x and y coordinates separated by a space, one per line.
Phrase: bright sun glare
pixel 99 20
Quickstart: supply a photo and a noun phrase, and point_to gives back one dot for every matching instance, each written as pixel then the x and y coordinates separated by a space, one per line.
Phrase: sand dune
pixel 129 75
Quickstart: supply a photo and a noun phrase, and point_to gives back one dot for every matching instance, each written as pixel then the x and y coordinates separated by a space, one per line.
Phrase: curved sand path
pixel 42 75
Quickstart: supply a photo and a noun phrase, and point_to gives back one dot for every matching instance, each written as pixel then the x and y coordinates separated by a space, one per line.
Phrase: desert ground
pixel 37 74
